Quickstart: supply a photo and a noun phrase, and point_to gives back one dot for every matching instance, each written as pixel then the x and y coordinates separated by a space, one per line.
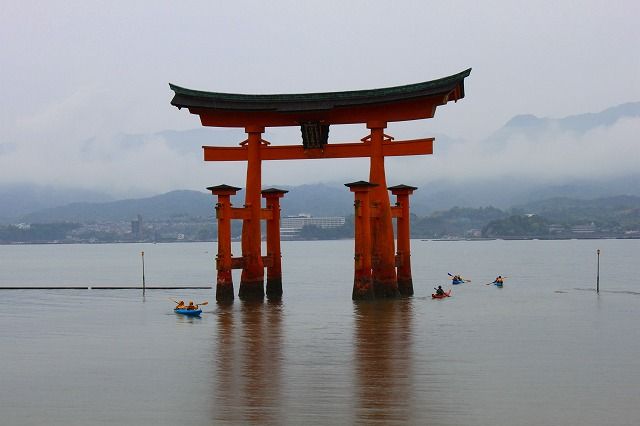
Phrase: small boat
pixel 189 312
pixel 497 284
pixel 454 282
pixel 441 296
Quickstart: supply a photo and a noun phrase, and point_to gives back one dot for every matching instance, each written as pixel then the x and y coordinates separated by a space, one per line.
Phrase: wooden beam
pixel 338 150
pixel 240 213
pixel 266 214
pixel 223 153
pixel 410 147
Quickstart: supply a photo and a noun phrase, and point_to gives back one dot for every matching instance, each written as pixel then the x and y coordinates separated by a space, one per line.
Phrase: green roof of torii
pixel 315 101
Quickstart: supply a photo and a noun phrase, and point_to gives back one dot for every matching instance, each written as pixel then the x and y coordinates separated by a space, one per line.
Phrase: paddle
pixel 493 282
pixel 463 279
pixel 197 305
pixel 176 302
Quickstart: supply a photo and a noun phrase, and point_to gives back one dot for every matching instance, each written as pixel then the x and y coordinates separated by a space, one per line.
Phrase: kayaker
pixel 180 305
pixel 499 280
pixel 439 291
pixel 191 306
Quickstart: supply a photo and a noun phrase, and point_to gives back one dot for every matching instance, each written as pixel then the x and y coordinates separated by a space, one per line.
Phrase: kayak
pixel 189 312
pixel 497 284
pixel 454 282
pixel 441 296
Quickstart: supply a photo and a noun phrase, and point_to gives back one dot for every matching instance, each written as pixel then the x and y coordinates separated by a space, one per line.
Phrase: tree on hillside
pixel 455 221
pixel 517 226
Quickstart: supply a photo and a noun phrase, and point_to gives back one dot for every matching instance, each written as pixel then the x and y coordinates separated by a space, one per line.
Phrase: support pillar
pixel 362 280
pixel 224 282
pixel 385 282
pixel 252 277
pixel 274 270
pixel 403 223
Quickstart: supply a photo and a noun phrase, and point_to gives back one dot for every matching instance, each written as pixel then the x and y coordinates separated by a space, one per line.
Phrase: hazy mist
pixel 86 99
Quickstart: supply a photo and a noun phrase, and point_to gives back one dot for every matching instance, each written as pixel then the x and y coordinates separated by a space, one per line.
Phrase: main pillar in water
pixel 252 277
pixel 385 283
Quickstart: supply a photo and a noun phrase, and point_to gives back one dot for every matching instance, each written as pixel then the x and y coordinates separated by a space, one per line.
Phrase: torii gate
pixel 376 259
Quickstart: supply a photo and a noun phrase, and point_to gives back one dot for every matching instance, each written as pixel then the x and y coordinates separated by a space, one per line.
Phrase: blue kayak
pixel 497 284
pixel 454 282
pixel 189 312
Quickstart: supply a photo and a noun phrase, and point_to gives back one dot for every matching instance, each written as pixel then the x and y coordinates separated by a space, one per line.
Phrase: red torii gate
pixel 376 259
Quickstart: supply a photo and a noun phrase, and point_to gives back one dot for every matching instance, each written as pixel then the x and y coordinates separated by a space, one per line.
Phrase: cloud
pixel 69 117
pixel 554 155
pixel 148 164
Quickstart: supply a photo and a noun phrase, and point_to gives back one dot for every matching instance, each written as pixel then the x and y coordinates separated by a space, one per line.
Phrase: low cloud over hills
pixel 529 158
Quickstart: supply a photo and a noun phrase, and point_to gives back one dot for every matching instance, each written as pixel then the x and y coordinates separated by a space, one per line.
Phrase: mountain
pixel 318 200
pixel 531 126
pixel 19 199
pixel 505 193
pixel 336 200
pixel 171 204
pixel 466 173
pixel 580 123
pixel 622 208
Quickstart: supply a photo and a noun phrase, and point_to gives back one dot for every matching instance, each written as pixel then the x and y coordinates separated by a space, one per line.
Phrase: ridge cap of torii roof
pixel 197 98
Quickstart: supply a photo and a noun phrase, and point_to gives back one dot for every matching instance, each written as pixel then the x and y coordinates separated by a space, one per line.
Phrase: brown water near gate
pixel 545 349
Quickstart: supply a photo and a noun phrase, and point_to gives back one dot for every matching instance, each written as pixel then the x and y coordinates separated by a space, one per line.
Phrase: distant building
pixel 290 226
pixel 556 228
pixel 136 227
pixel 473 233
pixel 584 229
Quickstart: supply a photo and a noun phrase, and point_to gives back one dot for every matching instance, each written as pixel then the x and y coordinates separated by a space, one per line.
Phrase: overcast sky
pixel 74 71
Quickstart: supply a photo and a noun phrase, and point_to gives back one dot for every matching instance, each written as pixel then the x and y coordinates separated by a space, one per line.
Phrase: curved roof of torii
pixel 399 103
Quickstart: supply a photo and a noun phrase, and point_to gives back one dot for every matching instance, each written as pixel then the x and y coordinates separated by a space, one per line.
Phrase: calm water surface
pixel 545 349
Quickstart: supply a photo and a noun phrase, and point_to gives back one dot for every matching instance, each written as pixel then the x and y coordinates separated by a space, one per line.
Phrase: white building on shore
pixel 290 226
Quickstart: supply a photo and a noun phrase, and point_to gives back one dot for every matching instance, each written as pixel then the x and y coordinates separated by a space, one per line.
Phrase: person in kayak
pixel 499 280
pixel 439 291
pixel 191 306
pixel 180 305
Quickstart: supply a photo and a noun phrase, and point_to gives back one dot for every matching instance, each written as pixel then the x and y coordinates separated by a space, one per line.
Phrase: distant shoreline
pixel 632 237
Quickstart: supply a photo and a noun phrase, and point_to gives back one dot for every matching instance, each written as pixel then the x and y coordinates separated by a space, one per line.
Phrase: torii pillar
pixel 385 283
pixel 224 261
pixel 252 277
pixel 403 222
pixel 274 255
pixel 362 278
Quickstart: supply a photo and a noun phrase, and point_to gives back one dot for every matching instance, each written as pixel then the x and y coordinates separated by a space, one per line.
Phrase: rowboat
pixel 441 296
pixel 188 312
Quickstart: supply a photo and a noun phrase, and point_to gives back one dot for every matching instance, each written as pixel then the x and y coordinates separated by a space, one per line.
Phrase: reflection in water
pixel 383 361
pixel 248 363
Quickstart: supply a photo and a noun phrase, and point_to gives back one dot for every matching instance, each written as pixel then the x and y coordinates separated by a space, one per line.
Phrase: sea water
pixel 545 349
